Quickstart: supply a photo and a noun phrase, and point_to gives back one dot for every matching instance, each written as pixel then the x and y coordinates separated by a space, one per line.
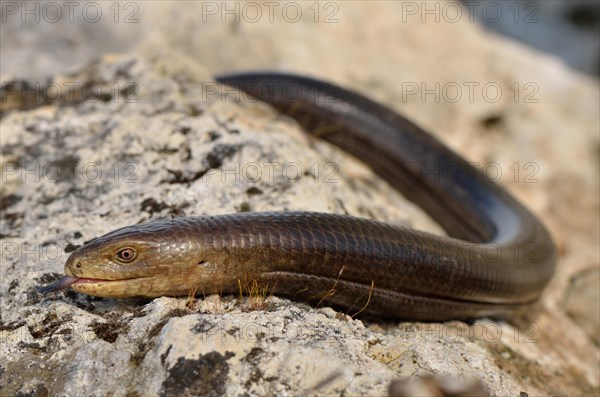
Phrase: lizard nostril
pixel 78 265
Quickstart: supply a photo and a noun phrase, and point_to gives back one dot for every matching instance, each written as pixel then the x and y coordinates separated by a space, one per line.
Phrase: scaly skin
pixel 498 259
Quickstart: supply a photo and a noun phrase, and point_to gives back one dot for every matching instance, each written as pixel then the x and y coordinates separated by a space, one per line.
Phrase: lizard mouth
pixel 68 282
pixel 122 288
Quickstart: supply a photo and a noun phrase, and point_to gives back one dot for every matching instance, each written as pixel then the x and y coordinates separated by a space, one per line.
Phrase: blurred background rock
pixel 568 29
pixel 40 39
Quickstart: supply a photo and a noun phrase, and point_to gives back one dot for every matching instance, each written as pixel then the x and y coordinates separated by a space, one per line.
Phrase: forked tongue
pixel 63 283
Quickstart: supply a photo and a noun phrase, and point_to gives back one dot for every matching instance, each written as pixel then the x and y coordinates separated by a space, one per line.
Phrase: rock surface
pixel 150 143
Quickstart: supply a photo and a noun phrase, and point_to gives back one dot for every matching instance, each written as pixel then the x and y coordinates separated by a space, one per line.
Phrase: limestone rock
pixel 150 143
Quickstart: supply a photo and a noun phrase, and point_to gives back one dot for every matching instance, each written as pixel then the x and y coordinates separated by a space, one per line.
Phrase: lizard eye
pixel 126 254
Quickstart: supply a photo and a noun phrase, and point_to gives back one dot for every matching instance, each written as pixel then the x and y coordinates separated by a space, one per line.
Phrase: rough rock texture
pixel 163 147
